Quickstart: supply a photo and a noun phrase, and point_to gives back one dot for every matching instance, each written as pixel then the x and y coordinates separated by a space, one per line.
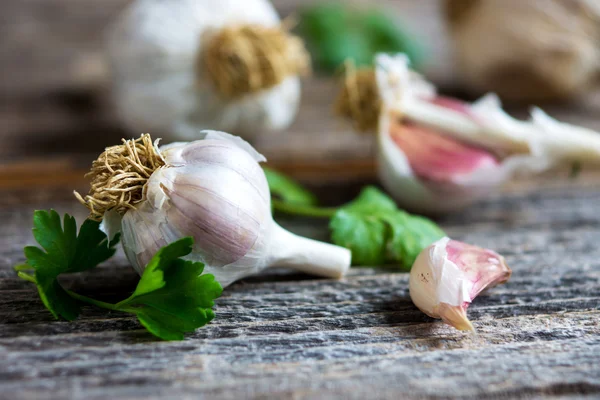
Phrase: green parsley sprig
pixel 63 251
pixel 172 297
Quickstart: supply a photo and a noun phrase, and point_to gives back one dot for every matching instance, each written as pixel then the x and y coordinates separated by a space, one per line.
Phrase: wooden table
pixel 281 335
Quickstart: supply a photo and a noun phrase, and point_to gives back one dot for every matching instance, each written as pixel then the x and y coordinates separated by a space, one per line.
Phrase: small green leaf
pixel 55 298
pixel 335 32
pixel 288 190
pixel 63 251
pixel 365 237
pixel 172 297
pixel 377 232
pixel 410 234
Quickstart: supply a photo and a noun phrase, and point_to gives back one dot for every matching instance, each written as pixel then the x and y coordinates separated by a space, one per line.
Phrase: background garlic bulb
pixel 448 275
pixel 215 191
pixel 527 50
pixel 166 57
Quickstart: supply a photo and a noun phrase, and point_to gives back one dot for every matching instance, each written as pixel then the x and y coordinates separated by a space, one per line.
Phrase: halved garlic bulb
pixel 449 274
pixel 437 154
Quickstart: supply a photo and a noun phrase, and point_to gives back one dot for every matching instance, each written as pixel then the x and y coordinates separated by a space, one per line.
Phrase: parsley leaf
pixel 377 232
pixel 65 252
pixel 173 297
pixel 335 32
pixel 288 190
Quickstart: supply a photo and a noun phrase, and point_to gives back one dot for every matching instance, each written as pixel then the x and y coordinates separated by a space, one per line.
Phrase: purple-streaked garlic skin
pixel 449 274
pixel 211 190
pixel 215 191
pixel 483 267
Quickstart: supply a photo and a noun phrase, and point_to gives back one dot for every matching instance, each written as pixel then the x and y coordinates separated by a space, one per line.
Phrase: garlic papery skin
pixel 437 155
pixel 215 191
pixel 449 274
pixel 155 51
pixel 527 50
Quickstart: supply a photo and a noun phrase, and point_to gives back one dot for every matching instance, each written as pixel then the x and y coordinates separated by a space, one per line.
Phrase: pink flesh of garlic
pixel 436 157
pixel 449 274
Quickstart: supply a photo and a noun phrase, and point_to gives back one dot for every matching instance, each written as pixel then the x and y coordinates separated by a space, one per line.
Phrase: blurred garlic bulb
pixel 527 50
pixel 437 154
pixel 211 189
pixel 448 275
pixel 179 66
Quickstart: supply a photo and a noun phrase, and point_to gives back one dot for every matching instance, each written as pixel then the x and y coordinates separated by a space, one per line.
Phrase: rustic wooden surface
pixel 282 335
pixel 285 335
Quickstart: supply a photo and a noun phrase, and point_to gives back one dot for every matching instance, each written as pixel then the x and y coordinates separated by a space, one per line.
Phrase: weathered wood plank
pixel 289 335
pixel 560 367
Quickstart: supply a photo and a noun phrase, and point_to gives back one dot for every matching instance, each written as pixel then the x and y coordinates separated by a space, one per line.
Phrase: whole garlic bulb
pixel 448 275
pixel 161 82
pixel 215 191
pixel 527 50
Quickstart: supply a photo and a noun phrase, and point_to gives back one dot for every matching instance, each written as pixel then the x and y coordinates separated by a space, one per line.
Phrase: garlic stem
pixel 307 255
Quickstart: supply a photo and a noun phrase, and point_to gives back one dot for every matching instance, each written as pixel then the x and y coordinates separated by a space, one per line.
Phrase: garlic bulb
pixel 437 155
pixel 448 275
pixel 527 50
pixel 213 190
pixel 179 66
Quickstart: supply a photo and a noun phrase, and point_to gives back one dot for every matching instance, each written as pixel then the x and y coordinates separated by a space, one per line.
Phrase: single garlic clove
pixel 449 274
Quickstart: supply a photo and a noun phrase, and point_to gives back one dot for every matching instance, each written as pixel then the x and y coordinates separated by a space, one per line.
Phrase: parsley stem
pixel 23 267
pixel 27 277
pixel 303 210
pixel 97 303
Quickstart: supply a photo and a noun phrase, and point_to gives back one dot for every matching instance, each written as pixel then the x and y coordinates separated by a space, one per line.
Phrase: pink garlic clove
pixel 449 274
pixel 436 157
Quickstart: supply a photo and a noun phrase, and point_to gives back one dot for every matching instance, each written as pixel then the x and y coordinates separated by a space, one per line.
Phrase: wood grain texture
pixel 287 335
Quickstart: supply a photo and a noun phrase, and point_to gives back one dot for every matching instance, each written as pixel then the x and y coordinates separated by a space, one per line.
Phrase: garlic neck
pixel 307 255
